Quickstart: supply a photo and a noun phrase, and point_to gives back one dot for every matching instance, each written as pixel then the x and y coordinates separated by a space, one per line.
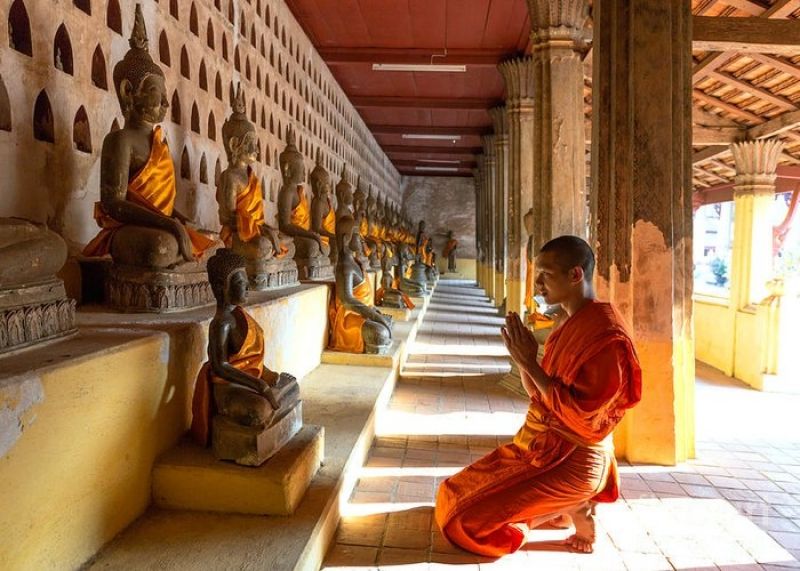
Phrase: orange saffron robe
pixel 563 454
pixel 346 324
pixel 449 247
pixel 249 215
pixel 301 214
pixel 248 359
pixel 153 187
pixel 406 300
pixel 329 222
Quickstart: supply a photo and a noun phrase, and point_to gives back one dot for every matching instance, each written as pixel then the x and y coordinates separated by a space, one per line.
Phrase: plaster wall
pixel 83 420
pixel 256 43
pixel 445 203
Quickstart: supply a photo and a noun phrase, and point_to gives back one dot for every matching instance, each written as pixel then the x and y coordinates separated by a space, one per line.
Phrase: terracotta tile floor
pixel 736 506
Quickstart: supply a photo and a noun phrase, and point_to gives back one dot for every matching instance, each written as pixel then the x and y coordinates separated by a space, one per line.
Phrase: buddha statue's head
pixel 239 134
pixel 528 221
pixel 449 234
pixel 291 162
pixel 228 277
pixel 421 226
pixel 359 197
pixel 344 232
pixel 371 203
pixel 319 178
pixel 138 80
pixel 344 190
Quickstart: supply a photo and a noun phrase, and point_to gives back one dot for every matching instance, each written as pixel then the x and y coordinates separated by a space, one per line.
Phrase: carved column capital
pixel 756 165
pixel 518 75
pixel 559 22
pixel 499 120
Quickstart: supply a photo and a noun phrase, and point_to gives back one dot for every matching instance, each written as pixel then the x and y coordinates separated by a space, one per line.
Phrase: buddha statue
pixel 33 304
pixel 355 327
pixel 449 251
pixel 294 217
pixel 349 206
pixel 323 214
pixel 405 284
pixel 419 271
pixel 157 258
pixel 243 410
pixel 372 237
pixel 432 272
pixel 388 295
pixel 268 254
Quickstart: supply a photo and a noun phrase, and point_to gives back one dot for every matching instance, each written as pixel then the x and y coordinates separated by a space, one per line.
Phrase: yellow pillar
pixel 500 123
pixel 490 184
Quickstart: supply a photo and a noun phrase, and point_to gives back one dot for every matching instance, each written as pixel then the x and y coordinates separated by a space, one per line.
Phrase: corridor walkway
pixel 737 506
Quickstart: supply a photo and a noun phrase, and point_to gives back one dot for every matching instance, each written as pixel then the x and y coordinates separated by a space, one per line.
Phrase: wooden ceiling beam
pixel 709 153
pixel 778 125
pixel 725 106
pixel 455 56
pixel 748 87
pixel 759 35
pixel 462 151
pixel 750 6
pixel 427 130
pixel 776 62
pixel 704 136
pixel 400 163
pixel 467 103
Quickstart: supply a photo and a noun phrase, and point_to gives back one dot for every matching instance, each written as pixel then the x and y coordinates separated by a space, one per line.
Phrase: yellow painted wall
pixel 97 409
pixel 467 268
pixel 714 333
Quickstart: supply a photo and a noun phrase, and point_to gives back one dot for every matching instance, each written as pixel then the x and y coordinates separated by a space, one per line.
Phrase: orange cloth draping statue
pixel 329 222
pixel 449 247
pixel 153 187
pixel 561 461
pixel 346 324
pixel 301 214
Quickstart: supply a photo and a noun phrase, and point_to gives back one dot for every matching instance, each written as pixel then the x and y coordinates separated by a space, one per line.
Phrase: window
pixel 713 247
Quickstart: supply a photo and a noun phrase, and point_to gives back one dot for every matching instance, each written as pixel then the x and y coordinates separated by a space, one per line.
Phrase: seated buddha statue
pixel 33 303
pixel 269 255
pixel 236 397
pixel 344 207
pixel 145 235
pixel 402 273
pixel 372 234
pixel 421 256
pixel 388 295
pixel 294 217
pixel 355 327
pixel 323 214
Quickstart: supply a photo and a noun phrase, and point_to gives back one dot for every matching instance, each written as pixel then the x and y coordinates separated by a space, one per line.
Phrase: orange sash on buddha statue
pixel 248 359
pixel 301 214
pixel 329 222
pixel 153 187
pixel 379 295
pixel 565 444
pixel 346 324
pixel 449 247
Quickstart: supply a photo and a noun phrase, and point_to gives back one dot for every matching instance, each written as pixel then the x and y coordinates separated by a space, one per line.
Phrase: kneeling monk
pixel 562 459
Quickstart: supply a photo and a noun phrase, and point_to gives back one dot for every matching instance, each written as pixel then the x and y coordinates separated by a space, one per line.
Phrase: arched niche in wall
pixel 253 39
pixel 186 165
pixel 195 121
pixel 217 172
pixel 263 118
pixel 253 118
pixel 5 107
pixel 237 62
pixel 258 77
pixel 114 16
pixel 19 28
pixel 185 66
pixel 218 87
pixel 163 49
pixel 247 73
pixel 268 160
pixel 224 46
pixel 174 9
pixel 114 126
pixel 175 107
pixel 83 6
pixel 203 169
pixel 231 93
pixel 81 132
pixel 202 77
pixel 242 25
pixel 62 51
pixel 210 34
pixel 99 74
pixel 194 25
pixel 231 12
pixel 212 126
pixel 43 121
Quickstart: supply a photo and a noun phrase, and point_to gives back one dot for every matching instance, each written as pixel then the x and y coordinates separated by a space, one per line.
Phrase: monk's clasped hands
pixel 519 340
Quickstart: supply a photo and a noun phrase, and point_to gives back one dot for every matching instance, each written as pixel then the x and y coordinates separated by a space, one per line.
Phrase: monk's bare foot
pixel 582 540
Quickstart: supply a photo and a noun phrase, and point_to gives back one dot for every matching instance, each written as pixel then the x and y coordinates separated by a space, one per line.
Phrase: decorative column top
pixel 756 165
pixel 558 21
pixel 499 120
pixel 518 75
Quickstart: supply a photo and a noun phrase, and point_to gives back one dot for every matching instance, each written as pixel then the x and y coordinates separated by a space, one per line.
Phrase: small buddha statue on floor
pixel 388 295
pixel 355 327
pixel 245 411
pixel 269 255
pixel 33 303
pixel 156 257
pixel 323 214
pixel 294 217
pixel 449 251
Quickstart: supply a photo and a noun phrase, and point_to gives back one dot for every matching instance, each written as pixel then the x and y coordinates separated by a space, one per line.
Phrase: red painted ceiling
pixel 351 35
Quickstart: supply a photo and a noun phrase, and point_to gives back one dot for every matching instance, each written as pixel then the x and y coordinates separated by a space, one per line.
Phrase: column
pixel 642 210
pixel 490 184
pixel 480 261
pixel 559 188
pixel 518 76
pixel 500 122
pixel 753 195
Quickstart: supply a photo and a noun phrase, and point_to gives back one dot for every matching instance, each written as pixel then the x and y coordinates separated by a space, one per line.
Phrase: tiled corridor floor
pixel 736 506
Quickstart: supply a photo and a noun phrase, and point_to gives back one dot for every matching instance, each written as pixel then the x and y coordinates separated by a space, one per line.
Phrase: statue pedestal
pixel 138 290
pixel 272 274
pixel 252 446
pixel 33 314
pixel 319 268
pixel 188 477
pixel 396 313
pixel 389 359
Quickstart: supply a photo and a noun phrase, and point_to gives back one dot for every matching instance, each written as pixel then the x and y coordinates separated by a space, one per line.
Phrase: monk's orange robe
pixel 153 187
pixel 329 222
pixel 563 454
pixel 301 214
pixel 346 324
pixel 449 247
pixel 248 359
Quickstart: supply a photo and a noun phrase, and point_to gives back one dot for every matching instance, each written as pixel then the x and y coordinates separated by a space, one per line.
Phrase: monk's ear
pixel 576 275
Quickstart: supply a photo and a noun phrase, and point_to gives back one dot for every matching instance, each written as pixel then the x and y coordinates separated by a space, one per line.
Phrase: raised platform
pixel 189 477
pixel 397 313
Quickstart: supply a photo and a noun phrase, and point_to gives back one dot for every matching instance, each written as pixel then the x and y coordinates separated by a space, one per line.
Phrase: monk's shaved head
pixel 570 252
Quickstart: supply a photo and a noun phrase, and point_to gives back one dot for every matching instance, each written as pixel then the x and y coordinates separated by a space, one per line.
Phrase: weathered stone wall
pixel 445 203
pixel 57 101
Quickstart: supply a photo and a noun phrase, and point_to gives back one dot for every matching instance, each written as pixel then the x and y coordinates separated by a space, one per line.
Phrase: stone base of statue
pixel 397 313
pixel 272 274
pixel 392 298
pixel 253 445
pixel 138 290
pixel 419 276
pixel 413 289
pixel 33 314
pixel 319 268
